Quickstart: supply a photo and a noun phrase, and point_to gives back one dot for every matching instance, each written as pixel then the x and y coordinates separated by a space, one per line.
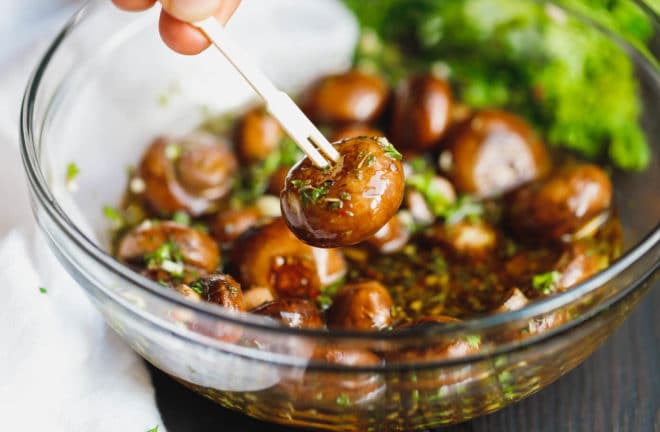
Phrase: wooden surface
pixel 616 390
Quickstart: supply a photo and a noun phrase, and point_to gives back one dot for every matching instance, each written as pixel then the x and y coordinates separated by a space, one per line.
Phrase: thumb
pixel 191 10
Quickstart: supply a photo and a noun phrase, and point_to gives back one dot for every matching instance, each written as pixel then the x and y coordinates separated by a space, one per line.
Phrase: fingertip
pixel 134 5
pixel 181 36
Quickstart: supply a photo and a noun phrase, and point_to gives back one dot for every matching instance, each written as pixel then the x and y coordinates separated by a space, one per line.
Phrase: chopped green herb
pixel 423 180
pixel 474 341
pixel 173 151
pixel 200 227
pixel 344 196
pixel 334 203
pixel 163 100
pixel 166 257
pixel 309 194
pixel 255 181
pixel 72 172
pixel 343 400
pixel 153 429
pixel 197 287
pixel 163 283
pixel 545 283
pixel 438 265
pixel 114 216
pixel 43 290
pixel 181 217
pixel 324 300
pixel 389 149
pixel 464 208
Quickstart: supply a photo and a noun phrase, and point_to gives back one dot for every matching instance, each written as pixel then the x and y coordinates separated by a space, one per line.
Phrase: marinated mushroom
pixel 278 180
pixel 348 202
pixel 222 290
pixel 578 262
pixel 227 225
pixel 167 250
pixel 422 112
pixel 391 237
pixel 258 134
pixel 436 349
pixel 492 153
pixel 361 306
pixel 292 312
pixel 354 131
pixel 190 174
pixel 558 206
pixel 271 256
pixel 465 238
pixel 351 97
pixel 337 389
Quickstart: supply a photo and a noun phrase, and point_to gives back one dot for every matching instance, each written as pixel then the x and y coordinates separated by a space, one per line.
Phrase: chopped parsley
pixel 153 429
pixel 389 149
pixel 43 290
pixel 465 207
pixel 181 217
pixel 474 341
pixel 423 181
pixel 173 151
pixel 324 300
pixel 343 400
pixel 163 283
pixel 200 227
pixel 72 172
pixel 254 182
pixel 197 287
pixel 309 194
pixel 545 283
pixel 166 257
pixel 114 216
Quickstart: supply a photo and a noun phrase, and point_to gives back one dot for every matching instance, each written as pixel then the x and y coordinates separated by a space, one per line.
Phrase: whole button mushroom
pixel 348 202
pixel 558 206
pixel 258 134
pixel 228 225
pixel 270 256
pixel 190 174
pixel 391 238
pixel 422 112
pixel 354 131
pixel 222 290
pixel 436 349
pixel 493 153
pixel 292 312
pixel 327 389
pixel 361 306
pixel 351 97
pixel 166 250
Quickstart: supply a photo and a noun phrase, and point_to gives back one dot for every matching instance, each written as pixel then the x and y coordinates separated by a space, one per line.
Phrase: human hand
pixel 176 15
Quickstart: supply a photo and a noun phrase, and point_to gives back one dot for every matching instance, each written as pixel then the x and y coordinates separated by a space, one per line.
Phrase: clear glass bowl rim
pixel 29 144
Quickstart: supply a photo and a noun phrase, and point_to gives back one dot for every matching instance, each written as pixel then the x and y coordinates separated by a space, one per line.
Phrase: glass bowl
pixel 107 85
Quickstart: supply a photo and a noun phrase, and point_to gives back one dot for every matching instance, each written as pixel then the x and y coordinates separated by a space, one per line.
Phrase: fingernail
pixel 191 10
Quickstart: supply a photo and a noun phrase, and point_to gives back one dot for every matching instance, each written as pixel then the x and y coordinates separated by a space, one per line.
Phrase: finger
pixel 185 38
pixel 181 36
pixel 134 5
pixel 191 10
pixel 226 10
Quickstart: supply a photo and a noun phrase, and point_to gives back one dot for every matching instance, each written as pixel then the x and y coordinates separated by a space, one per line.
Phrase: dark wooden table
pixel 616 390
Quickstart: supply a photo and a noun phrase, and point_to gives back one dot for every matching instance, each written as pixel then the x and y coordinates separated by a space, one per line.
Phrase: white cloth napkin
pixel 61 367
